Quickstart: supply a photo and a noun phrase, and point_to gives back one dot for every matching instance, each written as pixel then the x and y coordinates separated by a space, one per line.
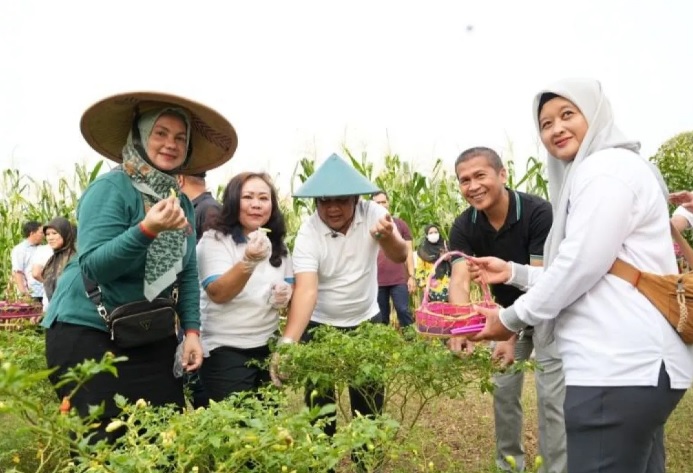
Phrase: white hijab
pixel 602 133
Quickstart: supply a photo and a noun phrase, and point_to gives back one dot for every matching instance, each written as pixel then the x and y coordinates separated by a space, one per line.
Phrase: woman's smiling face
pixel 167 143
pixel 562 127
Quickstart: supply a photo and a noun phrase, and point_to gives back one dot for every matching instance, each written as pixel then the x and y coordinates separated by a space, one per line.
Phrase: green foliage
pixel 243 433
pixel 534 179
pixel 675 161
pixel 413 370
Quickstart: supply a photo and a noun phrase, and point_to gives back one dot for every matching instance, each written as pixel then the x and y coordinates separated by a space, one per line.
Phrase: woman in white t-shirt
pixel 246 275
pixel 625 367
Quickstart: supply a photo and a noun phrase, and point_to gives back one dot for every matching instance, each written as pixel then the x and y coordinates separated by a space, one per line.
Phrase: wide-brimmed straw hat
pixel 106 124
pixel 335 178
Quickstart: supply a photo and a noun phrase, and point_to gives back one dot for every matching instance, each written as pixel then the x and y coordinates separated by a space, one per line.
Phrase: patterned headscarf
pixel 165 254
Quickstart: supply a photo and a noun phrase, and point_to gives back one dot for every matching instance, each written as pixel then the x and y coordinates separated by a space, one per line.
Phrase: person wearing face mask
pixel 625 366
pixel 135 241
pixel 431 248
pixel 512 225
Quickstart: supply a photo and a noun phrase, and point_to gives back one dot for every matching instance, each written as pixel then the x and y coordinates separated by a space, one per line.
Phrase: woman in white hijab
pixel 625 367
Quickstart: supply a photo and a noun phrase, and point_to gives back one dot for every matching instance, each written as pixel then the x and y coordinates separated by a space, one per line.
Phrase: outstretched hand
pixel 494 328
pixel 682 198
pixel 489 269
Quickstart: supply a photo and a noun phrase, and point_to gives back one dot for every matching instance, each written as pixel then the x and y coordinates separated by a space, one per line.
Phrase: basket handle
pixel 484 285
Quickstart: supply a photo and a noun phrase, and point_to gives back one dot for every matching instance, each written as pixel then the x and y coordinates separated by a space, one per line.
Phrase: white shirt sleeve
pixel 374 212
pixel 16 258
pixel 306 255
pixel 42 255
pixel 682 212
pixel 595 233
pixel 214 257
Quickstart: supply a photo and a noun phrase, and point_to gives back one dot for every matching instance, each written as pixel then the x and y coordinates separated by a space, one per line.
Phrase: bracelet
pixel 147 232
pixel 192 330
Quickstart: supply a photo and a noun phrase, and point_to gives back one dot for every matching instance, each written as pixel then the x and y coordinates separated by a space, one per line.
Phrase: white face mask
pixel 433 237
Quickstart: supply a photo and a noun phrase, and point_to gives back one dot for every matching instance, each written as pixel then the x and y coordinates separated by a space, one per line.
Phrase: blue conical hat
pixel 335 178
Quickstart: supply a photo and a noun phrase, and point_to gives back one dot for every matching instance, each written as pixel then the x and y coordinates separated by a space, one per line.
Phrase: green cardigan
pixel 112 250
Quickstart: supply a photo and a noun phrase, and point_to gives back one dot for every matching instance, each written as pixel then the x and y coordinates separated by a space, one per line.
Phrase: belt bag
pixel 671 294
pixel 139 323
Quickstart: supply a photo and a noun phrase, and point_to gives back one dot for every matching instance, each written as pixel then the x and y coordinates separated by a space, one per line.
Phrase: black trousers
pixel 618 429
pixel 366 400
pixel 147 374
pixel 229 370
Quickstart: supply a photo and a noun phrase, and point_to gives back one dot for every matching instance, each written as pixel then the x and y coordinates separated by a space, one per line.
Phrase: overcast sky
pixel 423 79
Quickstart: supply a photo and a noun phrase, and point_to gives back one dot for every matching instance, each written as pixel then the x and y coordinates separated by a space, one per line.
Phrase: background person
pixel 619 353
pixel 246 277
pixel 61 238
pixel 22 256
pixel 431 248
pixel 135 241
pixel 395 280
pixel 682 219
pixel 206 207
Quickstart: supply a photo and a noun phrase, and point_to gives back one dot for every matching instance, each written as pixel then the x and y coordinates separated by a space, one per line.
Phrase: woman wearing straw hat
pixel 135 241
pixel 625 367
pixel 335 264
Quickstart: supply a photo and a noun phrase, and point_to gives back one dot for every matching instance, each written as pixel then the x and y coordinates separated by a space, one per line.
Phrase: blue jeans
pixel 400 299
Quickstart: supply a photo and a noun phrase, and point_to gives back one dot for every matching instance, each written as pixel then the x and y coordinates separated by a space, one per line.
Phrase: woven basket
pixel 14 315
pixel 443 319
pixel 20 310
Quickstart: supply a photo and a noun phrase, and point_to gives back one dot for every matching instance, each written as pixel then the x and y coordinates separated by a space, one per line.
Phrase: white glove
pixel 257 249
pixel 280 295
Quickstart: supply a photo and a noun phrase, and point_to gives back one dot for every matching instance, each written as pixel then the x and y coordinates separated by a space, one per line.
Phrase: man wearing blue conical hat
pixel 335 260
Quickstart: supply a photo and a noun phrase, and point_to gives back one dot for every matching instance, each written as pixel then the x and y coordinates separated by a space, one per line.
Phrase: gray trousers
pixel 619 429
pixel 507 408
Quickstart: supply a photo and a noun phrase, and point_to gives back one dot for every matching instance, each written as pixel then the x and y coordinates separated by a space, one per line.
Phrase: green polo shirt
pixel 112 250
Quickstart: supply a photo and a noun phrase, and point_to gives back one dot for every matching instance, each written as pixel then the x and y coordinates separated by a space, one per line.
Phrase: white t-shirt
pixel 41 256
pixel 682 212
pixel 22 255
pixel 607 332
pixel 347 266
pixel 247 320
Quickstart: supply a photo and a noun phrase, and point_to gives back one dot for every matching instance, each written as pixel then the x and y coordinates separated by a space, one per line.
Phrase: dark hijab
pixel 431 251
pixel 54 267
